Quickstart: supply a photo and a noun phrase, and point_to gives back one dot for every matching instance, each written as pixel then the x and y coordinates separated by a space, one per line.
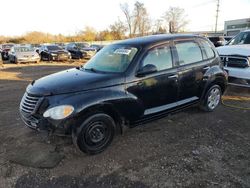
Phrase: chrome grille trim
pixel 29 103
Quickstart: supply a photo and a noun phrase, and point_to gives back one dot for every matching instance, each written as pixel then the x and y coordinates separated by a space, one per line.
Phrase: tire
pixel 95 134
pixel 15 60
pixel 212 99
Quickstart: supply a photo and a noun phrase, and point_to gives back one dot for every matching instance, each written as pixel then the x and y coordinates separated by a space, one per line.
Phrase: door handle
pixel 206 68
pixel 173 76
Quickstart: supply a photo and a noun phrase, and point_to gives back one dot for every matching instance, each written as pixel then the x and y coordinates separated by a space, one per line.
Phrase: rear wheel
pixel 95 133
pixel 212 98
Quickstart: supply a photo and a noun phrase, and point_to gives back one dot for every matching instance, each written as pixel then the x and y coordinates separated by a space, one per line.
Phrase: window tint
pixel 208 49
pixel 188 52
pixel 160 57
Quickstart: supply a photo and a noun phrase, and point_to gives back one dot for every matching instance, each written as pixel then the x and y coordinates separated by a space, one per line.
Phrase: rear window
pixel 188 52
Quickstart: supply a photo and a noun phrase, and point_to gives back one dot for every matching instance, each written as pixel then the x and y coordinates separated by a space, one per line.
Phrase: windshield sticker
pixel 122 51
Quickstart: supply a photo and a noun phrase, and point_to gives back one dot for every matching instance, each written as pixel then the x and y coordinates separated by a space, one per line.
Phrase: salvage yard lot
pixel 187 149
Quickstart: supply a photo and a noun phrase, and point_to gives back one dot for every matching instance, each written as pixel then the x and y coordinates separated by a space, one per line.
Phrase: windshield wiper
pixel 91 69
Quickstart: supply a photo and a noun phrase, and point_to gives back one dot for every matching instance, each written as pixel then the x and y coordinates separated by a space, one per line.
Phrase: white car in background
pixel 23 54
pixel 236 60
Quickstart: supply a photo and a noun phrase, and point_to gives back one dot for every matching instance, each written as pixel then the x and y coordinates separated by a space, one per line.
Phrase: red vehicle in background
pixel 5 48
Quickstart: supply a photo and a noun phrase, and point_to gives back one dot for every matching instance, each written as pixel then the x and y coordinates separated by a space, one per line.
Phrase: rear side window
pixel 160 57
pixel 188 52
pixel 209 53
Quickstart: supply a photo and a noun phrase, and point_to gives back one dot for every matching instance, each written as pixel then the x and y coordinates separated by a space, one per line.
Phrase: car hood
pixel 23 54
pixel 242 50
pixel 73 80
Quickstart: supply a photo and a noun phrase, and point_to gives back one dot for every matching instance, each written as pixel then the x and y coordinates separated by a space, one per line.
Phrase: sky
pixel 70 16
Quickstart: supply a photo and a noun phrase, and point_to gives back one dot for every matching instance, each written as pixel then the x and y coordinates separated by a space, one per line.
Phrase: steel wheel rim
pixel 97 134
pixel 214 98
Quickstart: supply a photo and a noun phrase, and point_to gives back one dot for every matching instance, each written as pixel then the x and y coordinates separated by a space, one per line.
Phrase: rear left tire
pixel 212 99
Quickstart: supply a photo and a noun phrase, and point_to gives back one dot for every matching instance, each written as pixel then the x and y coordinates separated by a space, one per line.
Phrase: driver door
pixel 157 91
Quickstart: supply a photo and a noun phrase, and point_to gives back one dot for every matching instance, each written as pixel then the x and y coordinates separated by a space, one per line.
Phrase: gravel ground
pixel 186 149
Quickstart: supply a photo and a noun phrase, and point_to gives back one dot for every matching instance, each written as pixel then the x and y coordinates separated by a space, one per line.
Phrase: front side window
pixel 188 52
pixel 113 58
pixel 160 57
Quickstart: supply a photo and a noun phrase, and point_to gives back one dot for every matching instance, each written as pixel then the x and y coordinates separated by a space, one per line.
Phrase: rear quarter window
pixel 207 48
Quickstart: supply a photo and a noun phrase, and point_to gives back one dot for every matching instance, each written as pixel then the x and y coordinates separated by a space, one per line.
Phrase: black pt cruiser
pixel 125 84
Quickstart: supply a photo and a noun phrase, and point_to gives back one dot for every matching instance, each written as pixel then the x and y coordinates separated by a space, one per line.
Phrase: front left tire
pixel 94 134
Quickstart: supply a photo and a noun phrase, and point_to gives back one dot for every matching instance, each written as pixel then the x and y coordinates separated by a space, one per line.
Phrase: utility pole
pixel 217 15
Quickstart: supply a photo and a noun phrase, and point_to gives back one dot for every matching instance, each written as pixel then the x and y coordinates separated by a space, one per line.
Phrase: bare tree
pixel 141 19
pixel 128 16
pixel 175 17
pixel 137 20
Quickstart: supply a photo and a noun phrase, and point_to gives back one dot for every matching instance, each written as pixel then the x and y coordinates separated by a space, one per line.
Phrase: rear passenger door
pixel 191 68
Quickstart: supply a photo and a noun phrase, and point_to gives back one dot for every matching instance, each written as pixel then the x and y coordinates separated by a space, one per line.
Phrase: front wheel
pixel 95 133
pixel 212 98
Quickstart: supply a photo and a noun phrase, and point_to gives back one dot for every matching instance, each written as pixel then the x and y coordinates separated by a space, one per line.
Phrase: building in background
pixel 233 27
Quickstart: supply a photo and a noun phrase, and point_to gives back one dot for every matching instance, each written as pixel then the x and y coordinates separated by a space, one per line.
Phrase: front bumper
pixel 60 57
pixel 26 60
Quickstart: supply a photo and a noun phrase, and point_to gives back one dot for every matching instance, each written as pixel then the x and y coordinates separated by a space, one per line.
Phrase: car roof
pixel 153 39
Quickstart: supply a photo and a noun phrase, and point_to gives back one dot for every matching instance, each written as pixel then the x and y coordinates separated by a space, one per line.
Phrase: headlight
pixel 59 112
pixel 53 54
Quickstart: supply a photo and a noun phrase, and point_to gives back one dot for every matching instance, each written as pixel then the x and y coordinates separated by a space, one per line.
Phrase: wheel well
pixel 107 109
pixel 220 83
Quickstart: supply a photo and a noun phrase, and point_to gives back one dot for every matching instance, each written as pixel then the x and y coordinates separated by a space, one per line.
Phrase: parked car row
pixel 17 53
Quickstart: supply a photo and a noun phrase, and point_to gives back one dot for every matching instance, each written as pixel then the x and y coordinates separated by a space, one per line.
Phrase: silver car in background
pixel 23 54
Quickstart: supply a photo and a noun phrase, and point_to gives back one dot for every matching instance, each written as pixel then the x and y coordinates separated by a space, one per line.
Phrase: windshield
pixel 241 38
pixel 82 45
pixel 24 49
pixel 113 58
pixel 52 48
pixel 7 46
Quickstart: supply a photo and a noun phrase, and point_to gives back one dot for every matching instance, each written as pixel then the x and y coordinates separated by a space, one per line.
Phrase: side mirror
pixel 147 69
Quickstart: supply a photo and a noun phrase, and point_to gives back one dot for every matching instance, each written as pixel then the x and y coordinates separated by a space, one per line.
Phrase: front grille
pixel 234 61
pixel 29 103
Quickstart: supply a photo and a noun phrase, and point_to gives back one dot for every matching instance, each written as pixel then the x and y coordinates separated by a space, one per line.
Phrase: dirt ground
pixel 187 149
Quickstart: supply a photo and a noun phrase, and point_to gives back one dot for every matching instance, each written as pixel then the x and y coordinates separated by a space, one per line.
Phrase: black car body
pixel 53 53
pixel 126 84
pixel 217 40
pixel 76 50
pixel 5 48
pixel 80 50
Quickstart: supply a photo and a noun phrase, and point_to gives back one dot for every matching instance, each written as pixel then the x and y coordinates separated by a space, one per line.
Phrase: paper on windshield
pixel 122 51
